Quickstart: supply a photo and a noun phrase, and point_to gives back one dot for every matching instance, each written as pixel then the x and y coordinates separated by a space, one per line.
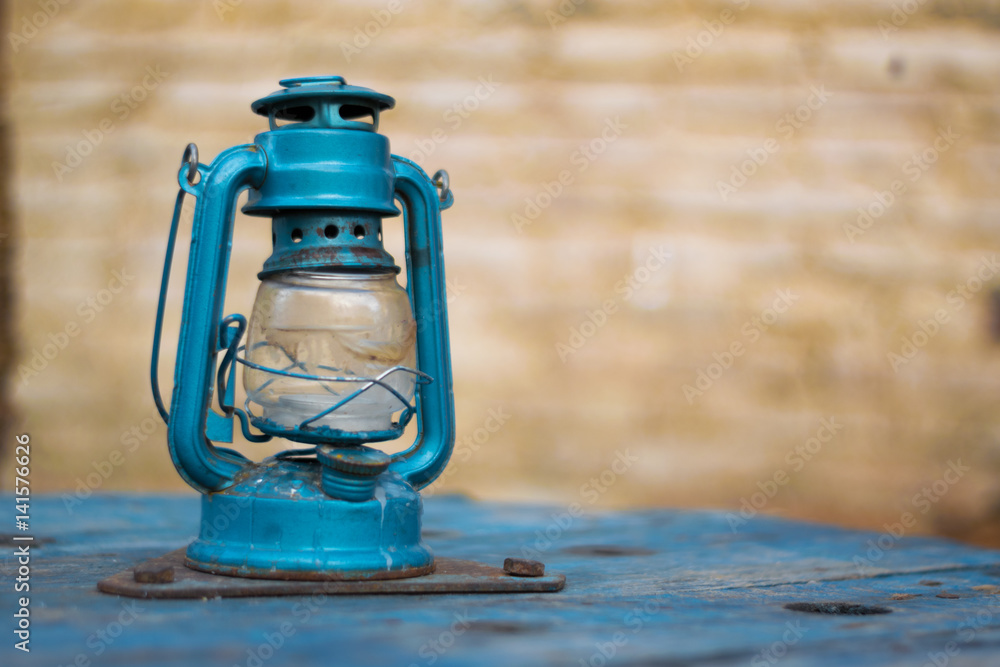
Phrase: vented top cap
pixel 323 101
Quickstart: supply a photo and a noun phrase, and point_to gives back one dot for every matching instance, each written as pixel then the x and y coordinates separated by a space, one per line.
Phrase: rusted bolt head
pixel 519 567
pixel 153 573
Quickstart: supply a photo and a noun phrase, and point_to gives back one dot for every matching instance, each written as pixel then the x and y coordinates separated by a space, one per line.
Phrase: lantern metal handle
pixel 202 465
pixel 422 204
pixel 188 172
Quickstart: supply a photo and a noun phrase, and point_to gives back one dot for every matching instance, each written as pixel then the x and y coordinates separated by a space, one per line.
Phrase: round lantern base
pixel 277 523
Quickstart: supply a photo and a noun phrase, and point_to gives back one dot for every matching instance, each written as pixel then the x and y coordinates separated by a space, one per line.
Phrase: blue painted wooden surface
pixel 700 594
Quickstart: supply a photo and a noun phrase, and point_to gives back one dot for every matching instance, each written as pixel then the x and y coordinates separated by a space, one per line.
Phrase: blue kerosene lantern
pixel 333 357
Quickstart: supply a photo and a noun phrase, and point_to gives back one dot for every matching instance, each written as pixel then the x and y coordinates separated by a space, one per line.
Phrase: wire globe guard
pixel 318 435
pixel 278 519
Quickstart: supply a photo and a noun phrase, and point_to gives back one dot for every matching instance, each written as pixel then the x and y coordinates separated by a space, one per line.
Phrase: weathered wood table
pixel 643 588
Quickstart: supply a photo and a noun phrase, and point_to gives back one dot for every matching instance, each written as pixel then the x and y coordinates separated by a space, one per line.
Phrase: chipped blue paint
pixel 327 179
pixel 693 593
pixel 280 509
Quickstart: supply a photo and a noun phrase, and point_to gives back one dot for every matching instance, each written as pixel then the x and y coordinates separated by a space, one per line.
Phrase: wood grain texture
pixel 8 256
pixel 671 587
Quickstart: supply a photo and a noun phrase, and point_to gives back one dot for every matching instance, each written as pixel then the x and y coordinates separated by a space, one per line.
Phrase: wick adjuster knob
pixel 349 473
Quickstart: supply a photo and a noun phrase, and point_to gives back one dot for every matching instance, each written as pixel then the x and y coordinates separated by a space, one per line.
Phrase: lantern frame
pixel 350 512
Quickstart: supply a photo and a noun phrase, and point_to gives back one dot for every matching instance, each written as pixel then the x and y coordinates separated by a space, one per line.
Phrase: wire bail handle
pixel 441 182
pixel 190 158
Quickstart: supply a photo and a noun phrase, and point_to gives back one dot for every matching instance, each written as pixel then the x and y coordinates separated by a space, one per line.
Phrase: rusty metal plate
pixel 450 576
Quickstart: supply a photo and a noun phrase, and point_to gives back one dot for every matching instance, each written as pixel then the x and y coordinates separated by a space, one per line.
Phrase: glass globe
pixel 330 324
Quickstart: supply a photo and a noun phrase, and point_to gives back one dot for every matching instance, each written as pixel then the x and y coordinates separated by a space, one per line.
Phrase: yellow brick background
pixel 693 87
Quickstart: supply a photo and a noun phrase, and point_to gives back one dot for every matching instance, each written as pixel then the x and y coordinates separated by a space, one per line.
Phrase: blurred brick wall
pixel 656 256
pixel 8 277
